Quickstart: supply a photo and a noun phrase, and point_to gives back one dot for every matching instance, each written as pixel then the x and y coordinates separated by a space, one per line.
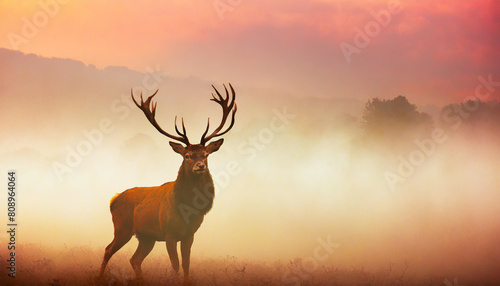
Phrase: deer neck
pixel 191 189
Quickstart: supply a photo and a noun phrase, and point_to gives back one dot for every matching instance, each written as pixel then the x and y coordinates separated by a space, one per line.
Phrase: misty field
pixel 42 265
pixel 364 151
pixel 407 202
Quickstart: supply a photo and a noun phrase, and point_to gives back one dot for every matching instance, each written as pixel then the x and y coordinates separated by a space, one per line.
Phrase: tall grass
pixel 50 265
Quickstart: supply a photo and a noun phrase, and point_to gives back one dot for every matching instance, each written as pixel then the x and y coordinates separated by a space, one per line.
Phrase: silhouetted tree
pixel 472 118
pixel 394 122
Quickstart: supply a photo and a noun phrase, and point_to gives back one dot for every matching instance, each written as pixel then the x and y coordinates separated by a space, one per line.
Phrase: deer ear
pixel 178 148
pixel 214 146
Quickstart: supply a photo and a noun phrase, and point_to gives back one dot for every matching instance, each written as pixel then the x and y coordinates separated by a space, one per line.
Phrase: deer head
pixel 194 155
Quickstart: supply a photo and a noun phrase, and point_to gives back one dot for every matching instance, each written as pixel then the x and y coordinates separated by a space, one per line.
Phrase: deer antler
pixel 226 109
pixel 149 110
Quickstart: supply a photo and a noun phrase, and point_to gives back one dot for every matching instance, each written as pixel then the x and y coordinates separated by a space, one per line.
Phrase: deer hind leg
pixel 144 248
pixel 186 253
pixel 172 253
pixel 121 238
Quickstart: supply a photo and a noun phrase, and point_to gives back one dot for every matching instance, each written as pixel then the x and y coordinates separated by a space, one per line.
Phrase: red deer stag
pixel 160 213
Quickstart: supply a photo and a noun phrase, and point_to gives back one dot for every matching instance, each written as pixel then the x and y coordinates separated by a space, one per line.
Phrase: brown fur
pixel 174 211
pixel 156 213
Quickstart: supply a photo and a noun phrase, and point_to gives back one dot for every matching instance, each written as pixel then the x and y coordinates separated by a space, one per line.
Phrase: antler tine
pixel 220 96
pixel 234 96
pixel 226 109
pixel 227 93
pixel 230 125
pixel 153 108
pixel 206 131
pixel 183 128
pixel 175 124
pixel 213 98
pixel 132 95
pixel 149 109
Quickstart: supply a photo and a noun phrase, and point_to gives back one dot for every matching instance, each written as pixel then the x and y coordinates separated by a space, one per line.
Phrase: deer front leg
pixel 144 248
pixel 172 253
pixel 186 253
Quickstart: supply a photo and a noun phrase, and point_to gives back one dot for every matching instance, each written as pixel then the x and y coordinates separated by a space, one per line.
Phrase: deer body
pixel 152 212
pixel 159 213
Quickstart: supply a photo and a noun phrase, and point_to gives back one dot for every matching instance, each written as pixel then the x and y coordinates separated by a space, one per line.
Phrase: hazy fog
pixel 316 174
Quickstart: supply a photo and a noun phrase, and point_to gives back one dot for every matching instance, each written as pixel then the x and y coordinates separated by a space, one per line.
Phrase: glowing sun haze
pixel 287 45
pixel 316 176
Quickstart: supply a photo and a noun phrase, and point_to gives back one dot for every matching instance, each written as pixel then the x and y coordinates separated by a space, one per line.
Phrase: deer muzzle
pixel 199 168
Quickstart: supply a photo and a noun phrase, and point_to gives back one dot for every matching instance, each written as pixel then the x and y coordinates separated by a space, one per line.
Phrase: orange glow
pixel 308 167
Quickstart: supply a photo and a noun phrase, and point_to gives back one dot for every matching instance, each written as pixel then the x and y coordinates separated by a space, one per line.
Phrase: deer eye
pixel 188 156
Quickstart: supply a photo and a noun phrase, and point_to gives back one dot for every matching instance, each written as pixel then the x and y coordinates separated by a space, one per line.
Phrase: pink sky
pixel 311 179
pixel 432 51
